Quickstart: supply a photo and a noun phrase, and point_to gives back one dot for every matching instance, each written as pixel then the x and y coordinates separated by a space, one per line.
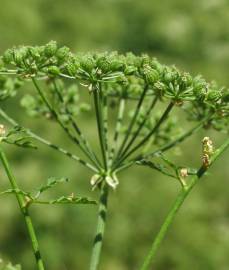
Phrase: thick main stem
pixel 24 211
pixel 176 206
pixel 98 241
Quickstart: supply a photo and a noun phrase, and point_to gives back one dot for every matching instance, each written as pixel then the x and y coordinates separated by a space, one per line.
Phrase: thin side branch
pixel 177 205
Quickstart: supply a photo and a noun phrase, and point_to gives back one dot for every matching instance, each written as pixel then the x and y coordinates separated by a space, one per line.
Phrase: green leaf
pixel 17 191
pixel 52 181
pixel 156 166
pixel 19 137
pixel 73 200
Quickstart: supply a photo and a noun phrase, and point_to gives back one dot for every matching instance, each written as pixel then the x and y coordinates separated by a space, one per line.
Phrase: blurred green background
pixel 194 35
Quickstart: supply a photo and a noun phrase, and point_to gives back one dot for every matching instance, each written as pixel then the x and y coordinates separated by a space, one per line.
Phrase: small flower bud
pixel 8 56
pixel 156 65
pixel 50 48
pixel 62 53
pixel 129 70
pixel 186 79
pixel 71 68
pixel 116 65
pixel 170 76
pixel 213 96
pixel 34 52
pixel 103 64
pixel 87 63
pixel 151 75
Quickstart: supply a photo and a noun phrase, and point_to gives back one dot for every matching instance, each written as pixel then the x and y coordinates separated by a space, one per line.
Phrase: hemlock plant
pixel 139 137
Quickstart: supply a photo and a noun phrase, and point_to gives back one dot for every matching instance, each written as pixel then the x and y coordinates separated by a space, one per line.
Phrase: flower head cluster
pixel 119 75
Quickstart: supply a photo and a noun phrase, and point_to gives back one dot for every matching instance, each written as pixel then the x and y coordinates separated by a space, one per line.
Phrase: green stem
pixel 74 124
pixel 98 241
pixel 164 147
pixel 49 144
pixel 118 126
pixel 153 103
pixel 105 125
pixel 24 211
pixel 144 140
pixel 177 205
pixel 68 132
pixel 100 127
pixel 133 120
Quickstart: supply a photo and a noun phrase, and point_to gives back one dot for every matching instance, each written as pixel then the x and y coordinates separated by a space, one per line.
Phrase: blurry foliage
pixel 191 34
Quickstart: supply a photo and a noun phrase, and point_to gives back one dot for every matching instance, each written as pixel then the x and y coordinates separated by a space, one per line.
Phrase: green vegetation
pixel 134 122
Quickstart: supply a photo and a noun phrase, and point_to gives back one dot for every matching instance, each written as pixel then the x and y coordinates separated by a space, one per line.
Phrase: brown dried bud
pixel 206 160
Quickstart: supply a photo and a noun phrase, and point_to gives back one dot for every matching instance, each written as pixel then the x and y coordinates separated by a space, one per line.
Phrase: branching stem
pixel 136 133
pixel 132 122
pixel 147 137
pixel 176 206
pixel 164 147
pixel 100 125
pixel 68 132
pixel 74 124
pixel 48 143
pixel 118 127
